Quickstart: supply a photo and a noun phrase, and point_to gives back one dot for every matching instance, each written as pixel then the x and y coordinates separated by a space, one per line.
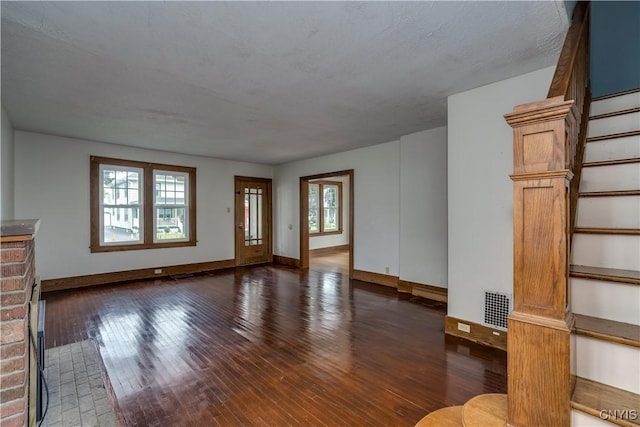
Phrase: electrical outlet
pixel 464 327
pixel 157 271
pixel 386 270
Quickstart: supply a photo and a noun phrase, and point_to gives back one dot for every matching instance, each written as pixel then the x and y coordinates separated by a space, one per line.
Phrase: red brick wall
pixel 17 275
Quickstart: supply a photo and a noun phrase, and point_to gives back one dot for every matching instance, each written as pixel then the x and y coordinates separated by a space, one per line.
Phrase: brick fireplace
pixel 17 264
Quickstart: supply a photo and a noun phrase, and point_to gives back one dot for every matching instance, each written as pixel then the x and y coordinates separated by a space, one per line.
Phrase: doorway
pixel 320 220
pixel 252 220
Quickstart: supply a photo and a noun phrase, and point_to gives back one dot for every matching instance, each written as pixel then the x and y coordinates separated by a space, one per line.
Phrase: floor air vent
pixel 497 306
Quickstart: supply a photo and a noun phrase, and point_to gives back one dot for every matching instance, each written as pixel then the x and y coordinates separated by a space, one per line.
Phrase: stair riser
pixel 614 124
pixel 608 251
pixel 609 363
pixel 611 178
pixel 617 103
pixel 609 212
pixel 606 300
pixel 580 419
pixel 613 149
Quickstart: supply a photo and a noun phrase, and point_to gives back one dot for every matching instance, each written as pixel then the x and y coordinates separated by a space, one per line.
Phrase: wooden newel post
pixel 539 368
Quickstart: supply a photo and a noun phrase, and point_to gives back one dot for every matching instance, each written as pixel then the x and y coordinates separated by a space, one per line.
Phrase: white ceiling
pixel 266 82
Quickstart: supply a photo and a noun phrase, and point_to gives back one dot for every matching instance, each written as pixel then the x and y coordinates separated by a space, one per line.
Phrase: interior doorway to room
pixel 253 220
pixel 326 222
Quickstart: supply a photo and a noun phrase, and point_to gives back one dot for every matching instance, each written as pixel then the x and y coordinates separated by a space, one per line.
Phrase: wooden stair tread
pixel 613 136
pixel 615 113
pixel 592 397
pixel 486 410
pixel 608 330
pixel 610 193
pixel 600 230
pixel 445 417
pixel 611 162
pixel 615 94
pixel 610 274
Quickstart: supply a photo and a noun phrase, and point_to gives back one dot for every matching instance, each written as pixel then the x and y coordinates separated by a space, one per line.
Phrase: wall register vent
pixel 497 306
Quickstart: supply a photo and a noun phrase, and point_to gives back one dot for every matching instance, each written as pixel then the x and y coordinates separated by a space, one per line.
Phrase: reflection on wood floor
pixel 332 262
pixel 270 346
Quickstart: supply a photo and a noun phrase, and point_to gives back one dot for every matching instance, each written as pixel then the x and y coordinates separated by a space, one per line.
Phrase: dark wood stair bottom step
pixel 607 330
pixel 445 417
pixel 608 274
pixel 608 403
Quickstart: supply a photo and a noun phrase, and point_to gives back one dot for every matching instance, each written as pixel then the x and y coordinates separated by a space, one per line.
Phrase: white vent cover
pixel 497 306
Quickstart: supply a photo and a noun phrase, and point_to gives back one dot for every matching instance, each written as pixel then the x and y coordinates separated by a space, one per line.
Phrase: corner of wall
pixel 480 193
pixel 7 174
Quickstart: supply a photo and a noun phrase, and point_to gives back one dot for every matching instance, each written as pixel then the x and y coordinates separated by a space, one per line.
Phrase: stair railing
pixel 571 81
pixel 549 141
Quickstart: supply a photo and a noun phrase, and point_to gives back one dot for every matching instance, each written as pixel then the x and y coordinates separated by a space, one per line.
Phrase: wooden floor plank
pixel 267 346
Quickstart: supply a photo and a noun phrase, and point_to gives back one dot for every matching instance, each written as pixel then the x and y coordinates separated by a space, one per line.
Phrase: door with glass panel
pixel 253 220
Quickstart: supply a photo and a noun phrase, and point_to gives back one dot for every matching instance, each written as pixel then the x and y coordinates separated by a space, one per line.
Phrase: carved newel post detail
pixel 539 368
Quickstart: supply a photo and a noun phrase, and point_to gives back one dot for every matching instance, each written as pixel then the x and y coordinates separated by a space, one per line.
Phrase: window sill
pixel 137 247
pixel 325 233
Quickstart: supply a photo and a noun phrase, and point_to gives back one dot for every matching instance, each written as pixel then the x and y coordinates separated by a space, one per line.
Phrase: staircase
pixel 604 282
pixel 605 270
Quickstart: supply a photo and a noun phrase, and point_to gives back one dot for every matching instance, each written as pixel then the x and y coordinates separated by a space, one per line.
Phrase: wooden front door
pixel 253 220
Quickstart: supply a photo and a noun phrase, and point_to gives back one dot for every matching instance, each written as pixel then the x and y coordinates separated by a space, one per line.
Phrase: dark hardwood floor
pixel 271 346
pixel 336 262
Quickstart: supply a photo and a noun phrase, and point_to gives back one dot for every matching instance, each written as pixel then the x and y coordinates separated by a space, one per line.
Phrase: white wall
pixel 376 199
pixel 480 190
pixel 423 207
pixel 7 169
pixel 327 241
pixel 52 183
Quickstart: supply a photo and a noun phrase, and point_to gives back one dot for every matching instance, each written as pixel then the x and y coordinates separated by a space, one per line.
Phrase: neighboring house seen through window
pixel 325 208
pixel 126 212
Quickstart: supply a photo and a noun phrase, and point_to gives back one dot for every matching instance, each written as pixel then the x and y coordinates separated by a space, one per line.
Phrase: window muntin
pixel 137 205
pixel 325 208
pixel 314 208
pixel 253 216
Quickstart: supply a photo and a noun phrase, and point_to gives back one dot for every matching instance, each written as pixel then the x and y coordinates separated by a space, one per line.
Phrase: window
pixel 170 206
pixel 325 207
pixel 126 212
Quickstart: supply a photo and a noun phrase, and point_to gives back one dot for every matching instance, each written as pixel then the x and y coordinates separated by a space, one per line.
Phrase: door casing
pixel 304 215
